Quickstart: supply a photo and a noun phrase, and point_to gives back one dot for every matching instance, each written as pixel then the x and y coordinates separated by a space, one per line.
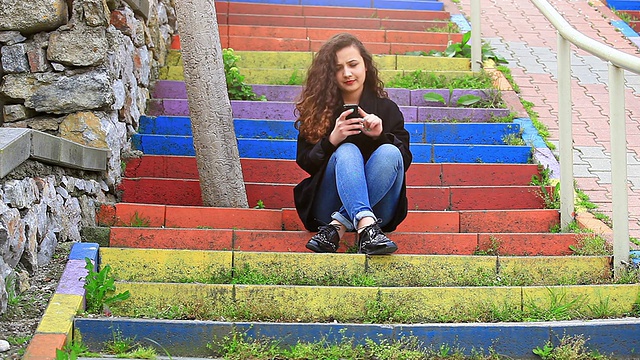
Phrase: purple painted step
pixel 281 110
pixel 171 89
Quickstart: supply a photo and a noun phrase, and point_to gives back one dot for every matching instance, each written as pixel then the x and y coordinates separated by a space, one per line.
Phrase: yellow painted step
pixel 162 265
pixel 302 60
pixel 370 304
pixel 285 76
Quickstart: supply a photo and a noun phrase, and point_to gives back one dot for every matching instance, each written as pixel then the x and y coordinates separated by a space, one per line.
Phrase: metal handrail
pixel 618 61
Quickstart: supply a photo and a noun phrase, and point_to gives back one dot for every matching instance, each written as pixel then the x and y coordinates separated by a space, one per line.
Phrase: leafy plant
pixel 559 307
pixel 463 50
pixel 570 347
pixel 236 87
pixel 464 100
pixel 542 129
pixel 139 221
pixel 98 286
pixel 428 80
pixel 72 351
pixel 592 245
pixel 259 205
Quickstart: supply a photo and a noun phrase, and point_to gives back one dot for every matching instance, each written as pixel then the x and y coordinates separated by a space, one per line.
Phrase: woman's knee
pixel 346 149
pixel 389 154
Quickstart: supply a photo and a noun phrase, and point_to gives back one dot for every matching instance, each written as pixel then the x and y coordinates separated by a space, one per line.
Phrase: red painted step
pixel 299 43
pixel 468 221
pixel 294 241
pixel 276 196
pixel 329 11
pixel 288 172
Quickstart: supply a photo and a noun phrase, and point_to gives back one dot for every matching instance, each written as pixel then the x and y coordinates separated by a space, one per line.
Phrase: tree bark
pixel 214 139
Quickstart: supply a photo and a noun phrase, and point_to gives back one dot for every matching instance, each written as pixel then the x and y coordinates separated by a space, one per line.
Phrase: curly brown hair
pixel 321 95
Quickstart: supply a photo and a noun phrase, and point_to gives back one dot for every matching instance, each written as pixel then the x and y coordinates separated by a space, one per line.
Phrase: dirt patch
pixel 19 323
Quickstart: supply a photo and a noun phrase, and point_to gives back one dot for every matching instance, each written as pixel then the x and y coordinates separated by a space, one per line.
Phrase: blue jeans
pixel 351 190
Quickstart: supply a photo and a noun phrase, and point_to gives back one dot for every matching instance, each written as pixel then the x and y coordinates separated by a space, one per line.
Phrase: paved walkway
pixel 519 32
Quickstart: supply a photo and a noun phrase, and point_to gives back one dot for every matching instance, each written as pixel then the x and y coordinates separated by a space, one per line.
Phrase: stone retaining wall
pixel 81 70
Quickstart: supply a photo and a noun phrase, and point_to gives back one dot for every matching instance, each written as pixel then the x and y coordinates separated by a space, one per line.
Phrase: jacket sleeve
pixel 311 157
pixel 394 131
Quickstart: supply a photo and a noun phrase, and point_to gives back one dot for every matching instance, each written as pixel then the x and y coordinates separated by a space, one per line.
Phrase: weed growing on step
pixel 463 50
pixel 295 79
pixel 428 80
pixel 507 74
pixel 259 205
pixel 450 27
pixel 514 139
pixel 240 346
pixel 558 307
pixel 73 351
pixel 542 129
pixel 99 287
pixel 137 221
pixel 590 244
pixel 464 100
pixel 624 16
pixel 570 347
pixel 236 87
pixel 628 275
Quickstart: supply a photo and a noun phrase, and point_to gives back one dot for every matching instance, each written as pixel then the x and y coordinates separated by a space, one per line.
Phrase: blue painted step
pixel 623 4
pixel 286 149
pixel 431 133
pixel 380 4
pixel 618 337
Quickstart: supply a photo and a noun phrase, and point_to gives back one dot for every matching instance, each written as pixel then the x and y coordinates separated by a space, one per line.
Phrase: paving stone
pixel 591 152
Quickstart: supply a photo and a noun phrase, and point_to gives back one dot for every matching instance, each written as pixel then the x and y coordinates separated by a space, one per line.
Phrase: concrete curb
pixel 18 145
pixel 56 326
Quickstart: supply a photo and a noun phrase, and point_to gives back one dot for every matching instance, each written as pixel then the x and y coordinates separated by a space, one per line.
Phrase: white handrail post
pixel 618 168
pixel 476 44
pixel 566 132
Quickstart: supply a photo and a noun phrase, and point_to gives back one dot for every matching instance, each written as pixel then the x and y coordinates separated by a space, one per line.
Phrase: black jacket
pixel 313 158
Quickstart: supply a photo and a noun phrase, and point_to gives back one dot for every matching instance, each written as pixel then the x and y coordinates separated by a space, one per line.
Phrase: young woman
pixel 357 161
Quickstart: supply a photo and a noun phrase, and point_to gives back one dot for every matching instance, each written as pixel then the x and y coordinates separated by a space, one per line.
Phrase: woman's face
pixel 350 73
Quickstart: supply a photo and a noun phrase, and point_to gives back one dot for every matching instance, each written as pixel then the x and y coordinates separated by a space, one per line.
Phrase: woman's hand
pixel 346 127
pixel 371 124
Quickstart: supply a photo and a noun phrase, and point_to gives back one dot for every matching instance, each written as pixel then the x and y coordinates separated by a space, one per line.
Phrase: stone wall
pixel 81 70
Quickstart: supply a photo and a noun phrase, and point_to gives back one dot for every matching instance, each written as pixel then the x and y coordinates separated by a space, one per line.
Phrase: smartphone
pixel 354 114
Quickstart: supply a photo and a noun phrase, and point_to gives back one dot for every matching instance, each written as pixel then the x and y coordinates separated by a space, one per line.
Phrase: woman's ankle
pixel 341 228
pixel 364 222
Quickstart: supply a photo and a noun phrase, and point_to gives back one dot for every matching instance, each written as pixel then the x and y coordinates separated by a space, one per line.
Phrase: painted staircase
pixel 475 252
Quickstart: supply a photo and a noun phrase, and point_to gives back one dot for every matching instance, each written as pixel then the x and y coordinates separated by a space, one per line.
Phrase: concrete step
pixel 420 133
pixel 286 219
pixel 288 172
pixel 284 110
pixel 175 89
pixel 277 196
pixel 419 243
pixel 341 270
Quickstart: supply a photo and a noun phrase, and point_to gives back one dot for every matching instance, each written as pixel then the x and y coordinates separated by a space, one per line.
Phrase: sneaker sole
pixel 386 250
pixel 313 246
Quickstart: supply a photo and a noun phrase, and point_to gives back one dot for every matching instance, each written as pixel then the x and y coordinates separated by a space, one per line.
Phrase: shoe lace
pixel 374 232
pixel 325 232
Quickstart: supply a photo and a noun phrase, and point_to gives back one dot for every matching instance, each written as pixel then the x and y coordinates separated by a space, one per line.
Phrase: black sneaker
pixel 326 240
pixel 372 241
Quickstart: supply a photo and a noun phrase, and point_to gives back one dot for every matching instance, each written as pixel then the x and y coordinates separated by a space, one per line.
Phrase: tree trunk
pixel 217 156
